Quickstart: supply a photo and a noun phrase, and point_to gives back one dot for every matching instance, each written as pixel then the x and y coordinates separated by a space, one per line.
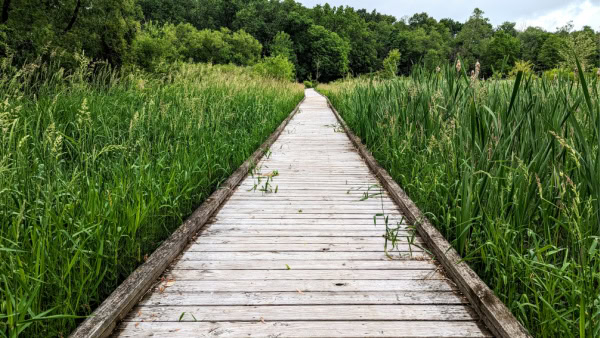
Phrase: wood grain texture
pixel 492 310
pixel 300 240
pixel 305 265
pixel 305 298
pixel 181 276
pixel 321 329
pixel 306 285
pixel 392 257
pixel 173 313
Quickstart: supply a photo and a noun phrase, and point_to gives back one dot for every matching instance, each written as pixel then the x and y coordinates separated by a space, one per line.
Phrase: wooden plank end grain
pixel 497 317
pixel 114 308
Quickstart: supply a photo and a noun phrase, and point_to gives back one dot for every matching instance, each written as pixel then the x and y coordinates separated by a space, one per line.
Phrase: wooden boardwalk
pixel 301 255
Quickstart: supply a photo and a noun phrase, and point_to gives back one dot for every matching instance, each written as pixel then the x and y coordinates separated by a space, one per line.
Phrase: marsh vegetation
pixel 508 171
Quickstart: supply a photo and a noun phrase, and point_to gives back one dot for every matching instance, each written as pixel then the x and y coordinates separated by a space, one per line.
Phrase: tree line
pixel 322 43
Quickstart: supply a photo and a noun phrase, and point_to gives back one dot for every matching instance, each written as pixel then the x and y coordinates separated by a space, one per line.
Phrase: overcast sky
pixel 548 14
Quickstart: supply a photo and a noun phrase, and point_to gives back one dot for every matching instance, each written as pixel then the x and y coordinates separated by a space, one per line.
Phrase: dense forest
pixel 322 43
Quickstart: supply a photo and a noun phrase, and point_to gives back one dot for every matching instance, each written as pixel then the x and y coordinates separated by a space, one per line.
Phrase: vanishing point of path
pixel 301 255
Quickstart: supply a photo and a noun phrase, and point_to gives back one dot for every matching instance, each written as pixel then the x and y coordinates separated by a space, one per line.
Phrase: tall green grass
pixel 97 168
pixel 508 171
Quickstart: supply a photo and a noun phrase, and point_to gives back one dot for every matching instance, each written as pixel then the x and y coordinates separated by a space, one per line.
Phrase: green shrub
pixel 559 74
pixel 390 64
pixel 310 84
pixel 245 49
pixel 278 67
pixel 155 46
pixel 282 44
pixel 521 66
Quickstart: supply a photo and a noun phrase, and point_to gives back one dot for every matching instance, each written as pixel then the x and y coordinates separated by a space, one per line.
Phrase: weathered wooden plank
pixel 297 329
pixel 304 298
pixel 366 247
pixel 300 240
pixel 278 232
pixel 357 210
pixel 301 312
pixel 282 193
pixel 380 227
pixel 182 276
pixel 258 198
pixel 307 185
pixel 301 255
pixel 365 221
pixel 301 213
pixel 304 209
pixel 306 264
pixel 315 203
pixel 304 285
pixel 494 313
pixel 304 181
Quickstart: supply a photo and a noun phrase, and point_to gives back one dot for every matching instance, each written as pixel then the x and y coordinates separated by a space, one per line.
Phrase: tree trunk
pixel 74 17
pixel 5 9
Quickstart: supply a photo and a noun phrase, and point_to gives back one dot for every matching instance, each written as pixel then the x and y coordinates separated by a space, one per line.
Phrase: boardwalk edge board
pixel 488 306
pixel 114 308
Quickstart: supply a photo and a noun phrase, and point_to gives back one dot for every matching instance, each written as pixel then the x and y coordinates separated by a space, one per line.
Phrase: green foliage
pixel 471 42
pixel 154 46
pixel 532 40
pixel 99 168
pixel 510 181
pixel 211 46
pixel 425 42
pixel 550 52
pixel 282 44
pixel 103 31
pixel 578 47
pixel 559 74
pixel 310 84
pixel 277 67
pixel 525 67
pixel 222 31
pixel 348 24
pixel 176 12
pixel 501 48
pixel 390 64
pixel 245 49
pixel 508 28
pixel 328 54
pixel 452 25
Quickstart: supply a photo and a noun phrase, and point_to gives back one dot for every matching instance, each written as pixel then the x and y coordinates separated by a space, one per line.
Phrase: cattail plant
pixel 438 69
pixel 477 69
pixel 516 190
pixel 458 66
pixel 598 72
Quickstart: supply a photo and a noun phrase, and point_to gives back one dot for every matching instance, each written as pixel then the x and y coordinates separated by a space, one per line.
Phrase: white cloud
pixel 580 13
pixel 548 14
